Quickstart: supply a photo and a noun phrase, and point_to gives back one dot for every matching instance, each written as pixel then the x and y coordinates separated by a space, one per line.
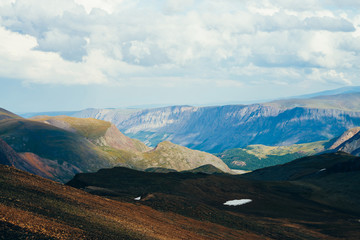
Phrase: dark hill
pixel 65 152
pixel 279 209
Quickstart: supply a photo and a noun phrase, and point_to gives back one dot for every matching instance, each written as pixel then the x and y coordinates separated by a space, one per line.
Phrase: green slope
pixel 258 156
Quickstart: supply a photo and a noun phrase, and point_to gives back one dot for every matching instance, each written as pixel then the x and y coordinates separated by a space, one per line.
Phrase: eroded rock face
pixel 345 137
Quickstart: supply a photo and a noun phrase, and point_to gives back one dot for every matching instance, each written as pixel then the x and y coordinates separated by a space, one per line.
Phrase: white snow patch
pixel 237 202
pixel 137 198
pixel 324 169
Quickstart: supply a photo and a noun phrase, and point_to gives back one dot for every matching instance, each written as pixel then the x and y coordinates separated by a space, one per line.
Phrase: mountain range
pixel 218 128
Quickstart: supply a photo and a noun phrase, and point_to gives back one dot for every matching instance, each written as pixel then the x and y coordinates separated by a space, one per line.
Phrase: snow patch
pixel 237 202
pixel 324 169
pixel 137 198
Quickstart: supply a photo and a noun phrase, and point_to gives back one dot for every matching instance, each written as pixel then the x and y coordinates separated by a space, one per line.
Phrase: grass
pixel 258 156
pixel 88 127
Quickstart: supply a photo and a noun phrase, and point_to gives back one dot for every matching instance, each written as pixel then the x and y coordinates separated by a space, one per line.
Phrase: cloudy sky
pixel 74 54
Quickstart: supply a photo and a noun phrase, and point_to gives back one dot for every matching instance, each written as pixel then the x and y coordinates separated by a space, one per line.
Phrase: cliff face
pixel 215 129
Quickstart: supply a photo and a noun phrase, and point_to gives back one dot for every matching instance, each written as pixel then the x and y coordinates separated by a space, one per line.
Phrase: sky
pixel 73 54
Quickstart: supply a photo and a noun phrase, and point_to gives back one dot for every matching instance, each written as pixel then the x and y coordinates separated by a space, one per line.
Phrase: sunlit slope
pixel 124 151
pixel 101 133
pixel 258 156
pixel 5 114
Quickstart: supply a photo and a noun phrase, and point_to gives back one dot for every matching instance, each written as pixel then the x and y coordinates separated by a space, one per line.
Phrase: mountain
pixel 216 129
pixel 131 152
pixel 59 147
pixel 32 207
pixel 351 89
pixel 62 153
pixel 101 133
pixel 344 101
pixel 282 209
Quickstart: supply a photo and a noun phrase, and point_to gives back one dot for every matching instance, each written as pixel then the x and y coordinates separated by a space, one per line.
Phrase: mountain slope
pixel 5 114
pixel 53 147
pixel 101 133
pixel 32 207
pixel 336 176
pixel 131 152
pixel 278 210
pixel 59 147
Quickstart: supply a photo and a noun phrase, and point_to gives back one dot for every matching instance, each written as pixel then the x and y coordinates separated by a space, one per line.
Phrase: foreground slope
pixel 280 209
pixel 32 207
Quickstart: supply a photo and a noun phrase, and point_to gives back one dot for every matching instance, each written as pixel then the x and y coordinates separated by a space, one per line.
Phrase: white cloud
pixel 224 43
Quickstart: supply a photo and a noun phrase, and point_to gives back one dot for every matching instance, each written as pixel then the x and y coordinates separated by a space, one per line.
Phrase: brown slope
pixel 32 207
pixel 101 133
pixel 32 163
pixel 5 114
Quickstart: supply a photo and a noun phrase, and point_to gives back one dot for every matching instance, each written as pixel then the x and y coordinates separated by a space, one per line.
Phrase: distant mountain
pixel 344 101
pixel 350 89
pixel 333 209
pixel 33 114
pixel 215 129
pixel 32 207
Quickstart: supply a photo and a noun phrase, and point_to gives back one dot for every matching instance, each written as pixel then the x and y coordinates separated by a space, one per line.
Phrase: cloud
pixel 224 43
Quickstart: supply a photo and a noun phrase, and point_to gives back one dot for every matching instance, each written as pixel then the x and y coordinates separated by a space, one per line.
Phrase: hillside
pixel 32 207
pixel 101 133
pixel 259 156
pixel 277 210
pixel 336 176
pixel 64 153
pixel 5 114
pixel 131 152
pixel 59 147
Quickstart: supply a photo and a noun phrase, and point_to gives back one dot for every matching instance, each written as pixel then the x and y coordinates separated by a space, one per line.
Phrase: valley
pixel 82 178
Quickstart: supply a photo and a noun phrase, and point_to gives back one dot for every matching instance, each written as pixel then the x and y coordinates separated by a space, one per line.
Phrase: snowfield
pixel 237 202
